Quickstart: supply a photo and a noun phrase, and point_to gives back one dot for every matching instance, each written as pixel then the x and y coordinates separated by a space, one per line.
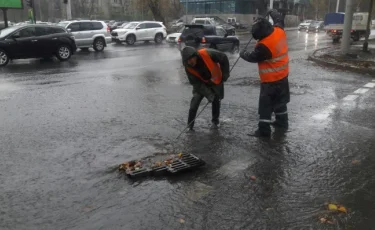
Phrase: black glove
pixel 270 12
pixel 243 53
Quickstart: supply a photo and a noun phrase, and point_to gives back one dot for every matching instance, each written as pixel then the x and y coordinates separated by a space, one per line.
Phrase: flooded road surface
pixel 66 126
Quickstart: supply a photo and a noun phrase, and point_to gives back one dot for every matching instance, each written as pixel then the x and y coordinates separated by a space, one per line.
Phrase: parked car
pixel 215 21
pixel 303 26
pixel 89 34
pixel 172 39
pixel 116 25
pixel 208 36
pixel 237 24
pixel 140 31
pixel 35 41
pixel 316 27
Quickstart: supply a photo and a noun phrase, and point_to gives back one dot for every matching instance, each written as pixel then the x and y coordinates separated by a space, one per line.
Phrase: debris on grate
pixel 174 164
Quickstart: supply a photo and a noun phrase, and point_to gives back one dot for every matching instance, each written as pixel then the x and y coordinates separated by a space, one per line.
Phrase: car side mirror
pixel 15 36
pixel 138 28
pixel 69 30
pixel 226 35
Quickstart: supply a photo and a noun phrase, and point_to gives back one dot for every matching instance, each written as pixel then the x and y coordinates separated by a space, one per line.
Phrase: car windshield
pixel 63 24
pixel 131 25
pixel 202 22
pixel 5 32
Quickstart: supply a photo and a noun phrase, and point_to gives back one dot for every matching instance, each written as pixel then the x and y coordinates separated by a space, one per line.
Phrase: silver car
pixel 89 33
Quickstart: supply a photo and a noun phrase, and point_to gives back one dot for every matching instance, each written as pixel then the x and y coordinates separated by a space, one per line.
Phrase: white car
pixel 140 31
pixel 172 39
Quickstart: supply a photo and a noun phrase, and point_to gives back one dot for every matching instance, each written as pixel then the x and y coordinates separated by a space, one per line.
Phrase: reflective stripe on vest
pixel 277 68
pixel 214 68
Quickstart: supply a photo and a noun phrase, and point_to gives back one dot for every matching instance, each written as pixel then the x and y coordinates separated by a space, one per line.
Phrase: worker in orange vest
pixel 271 54
pixel 207 70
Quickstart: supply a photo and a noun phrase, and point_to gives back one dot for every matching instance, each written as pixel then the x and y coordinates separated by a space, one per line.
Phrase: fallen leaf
pixel 342 209
pixel 182 221
pixel 253 178
pixel 332 207
pixel 354 162
pixel 331 222
pixel 323 220
pixel 269 209
pixel 87 209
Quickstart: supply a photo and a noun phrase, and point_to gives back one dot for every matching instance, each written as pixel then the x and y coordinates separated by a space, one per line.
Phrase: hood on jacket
pixel 187 53
pixel 261 28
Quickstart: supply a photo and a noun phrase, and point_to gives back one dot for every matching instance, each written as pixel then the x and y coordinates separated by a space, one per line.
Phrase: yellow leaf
pixel 182 221
pixel 342 209
pixel 332 207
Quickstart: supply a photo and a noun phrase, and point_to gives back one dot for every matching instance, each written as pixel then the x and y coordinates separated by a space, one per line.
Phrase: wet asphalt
pixel 66 126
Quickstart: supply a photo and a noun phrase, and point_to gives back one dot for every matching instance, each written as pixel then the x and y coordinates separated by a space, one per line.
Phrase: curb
pixel 313 58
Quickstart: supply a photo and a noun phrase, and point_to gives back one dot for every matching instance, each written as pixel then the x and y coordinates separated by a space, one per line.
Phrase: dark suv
pixel 208 36
pixel 35 41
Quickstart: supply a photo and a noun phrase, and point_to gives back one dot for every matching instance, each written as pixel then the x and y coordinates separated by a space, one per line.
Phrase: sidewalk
pixel 356 60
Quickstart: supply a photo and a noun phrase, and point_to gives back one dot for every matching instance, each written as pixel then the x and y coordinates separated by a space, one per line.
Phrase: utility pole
pixel 348 21
pixel 5 17
pixel 186 11
pixel 337 6
pixel 365 44
pixel 68 10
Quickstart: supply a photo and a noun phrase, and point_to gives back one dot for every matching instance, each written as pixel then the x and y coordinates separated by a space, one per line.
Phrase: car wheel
pixel 99 44
pixel 4 58
pixel 235 49
pixel 158 38
pixel 356 37
pixel 64 53
pixel 130 40
pixel 336 40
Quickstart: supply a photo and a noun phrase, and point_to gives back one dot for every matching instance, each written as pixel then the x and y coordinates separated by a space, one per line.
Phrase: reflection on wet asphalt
pixel 65 127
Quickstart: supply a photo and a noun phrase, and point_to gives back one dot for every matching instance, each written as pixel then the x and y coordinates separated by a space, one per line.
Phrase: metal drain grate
pixel 186 162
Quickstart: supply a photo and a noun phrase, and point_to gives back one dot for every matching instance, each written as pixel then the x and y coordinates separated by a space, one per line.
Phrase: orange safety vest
pixel 214 68
pixel 277 68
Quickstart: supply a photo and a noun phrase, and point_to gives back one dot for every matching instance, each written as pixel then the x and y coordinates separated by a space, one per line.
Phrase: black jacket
pixel 261 52
pixel 200 87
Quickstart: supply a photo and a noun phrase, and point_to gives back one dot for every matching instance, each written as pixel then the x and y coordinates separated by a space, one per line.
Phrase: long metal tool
pixel 209 102
pixel 240 56
pixel 192 121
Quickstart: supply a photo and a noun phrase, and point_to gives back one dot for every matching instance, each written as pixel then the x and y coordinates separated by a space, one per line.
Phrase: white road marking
pixel 350 97
pixel 369 85
pixel 361 91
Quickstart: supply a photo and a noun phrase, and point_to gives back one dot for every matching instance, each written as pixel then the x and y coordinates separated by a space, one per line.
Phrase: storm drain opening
pixel 171 166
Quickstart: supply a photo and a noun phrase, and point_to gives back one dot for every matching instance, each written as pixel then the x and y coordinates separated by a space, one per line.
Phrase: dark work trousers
pixel 194 106
pixel 273 98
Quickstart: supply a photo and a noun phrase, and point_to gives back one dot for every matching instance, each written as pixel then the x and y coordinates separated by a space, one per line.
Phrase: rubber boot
pixel 264 130
pixel 192 114
pixel 281 122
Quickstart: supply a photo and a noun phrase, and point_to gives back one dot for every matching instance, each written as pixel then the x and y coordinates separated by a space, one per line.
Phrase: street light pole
pixel 186 12
pixel 68 10
pixel 337 6
pixel 348 21
pixel 365 44
pixel 271 4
